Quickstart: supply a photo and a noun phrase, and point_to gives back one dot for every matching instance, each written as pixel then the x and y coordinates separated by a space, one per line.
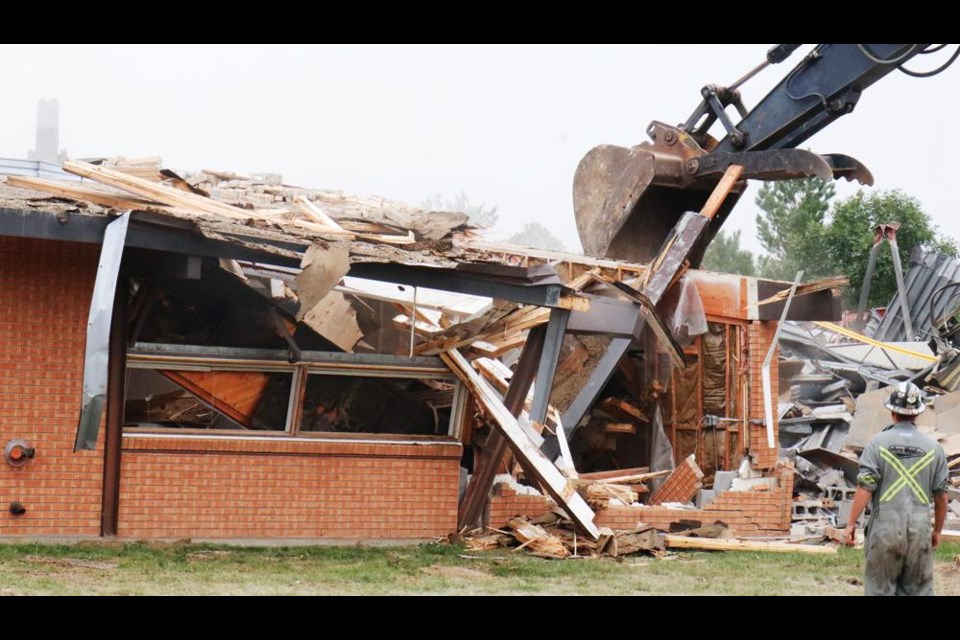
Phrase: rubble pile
pixel 835 381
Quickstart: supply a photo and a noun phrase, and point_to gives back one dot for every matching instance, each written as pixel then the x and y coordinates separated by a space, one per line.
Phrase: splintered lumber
pixel 615 473
pixel 519 320
pixel 154 191
pixel 496 347
pixel 316 214
pixel 622 410
pixel 600 494
pixel 508 326
pixel 362 231
pixel 811 287
pixel 634 478
pixel 549 477
pixel 730 544
pixel 539 540
pixel 729 180
pixel 620 427
pixel 96 196
pixel 488 542
pixel 574 303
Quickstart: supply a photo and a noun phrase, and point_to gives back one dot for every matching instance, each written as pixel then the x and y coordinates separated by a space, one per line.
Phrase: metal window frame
pixel 158 357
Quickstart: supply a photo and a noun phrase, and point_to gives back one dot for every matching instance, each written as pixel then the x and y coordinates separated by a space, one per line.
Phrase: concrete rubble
pixel 838 380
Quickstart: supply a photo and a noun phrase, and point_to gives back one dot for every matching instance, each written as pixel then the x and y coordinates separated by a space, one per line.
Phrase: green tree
pixel 725 255
pixel 536 236
pixel 480 214
pixel 849 237
pixel 790 227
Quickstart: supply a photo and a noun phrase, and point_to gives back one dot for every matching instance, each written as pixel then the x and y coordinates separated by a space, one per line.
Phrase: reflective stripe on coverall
pixel 903 468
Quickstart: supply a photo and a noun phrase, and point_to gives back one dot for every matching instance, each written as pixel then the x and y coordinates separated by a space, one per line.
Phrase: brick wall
pixel 760 335
pixel 747 513
pixel 506 504
pixel 244 488
pixel 681 485
pixel 45 290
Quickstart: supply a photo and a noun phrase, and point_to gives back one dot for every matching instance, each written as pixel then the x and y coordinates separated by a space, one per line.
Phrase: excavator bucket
pixel 627 201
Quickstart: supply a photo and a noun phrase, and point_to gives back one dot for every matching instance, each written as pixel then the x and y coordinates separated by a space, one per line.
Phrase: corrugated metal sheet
pixel 928 272
pixel 34 169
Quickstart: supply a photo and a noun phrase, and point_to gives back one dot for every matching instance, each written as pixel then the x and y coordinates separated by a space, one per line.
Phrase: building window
pixel 192 399
pixel 362 404
pixel 178 389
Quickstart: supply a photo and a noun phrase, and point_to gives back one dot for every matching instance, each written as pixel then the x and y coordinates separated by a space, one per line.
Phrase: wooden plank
pixel 519 320
pixel 620 427
pixel 574 303
pixel 616 473
pixel 316 214
pixel 729 180
pixel 622 410
pixel 487 460
pixel 154 191
pixel 96 196
pixel 731 544
pixel 623 476
pixel 355 230
pixel 539 540
pixel 811 287
pixel 309 225
pixel 560 489
pixel 601 493
pixel 235 394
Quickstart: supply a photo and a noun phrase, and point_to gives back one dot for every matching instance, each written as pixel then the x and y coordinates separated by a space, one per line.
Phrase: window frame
pixel 158 357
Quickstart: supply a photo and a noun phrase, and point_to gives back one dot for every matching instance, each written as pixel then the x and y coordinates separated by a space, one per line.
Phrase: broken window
pixel 207 399
pixel 191 392
pixel 363 404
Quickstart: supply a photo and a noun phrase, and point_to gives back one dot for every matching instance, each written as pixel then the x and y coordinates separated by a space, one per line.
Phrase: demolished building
pixel 214 355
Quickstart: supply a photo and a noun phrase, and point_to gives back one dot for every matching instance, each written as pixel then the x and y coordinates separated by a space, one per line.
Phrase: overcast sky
pixel 506 124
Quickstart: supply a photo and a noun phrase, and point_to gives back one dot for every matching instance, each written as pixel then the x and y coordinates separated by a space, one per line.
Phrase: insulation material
pixel 713 350
pixel 661 451
pixel 687 318
pixel 686 441
pixel 710 452
pixel 686 395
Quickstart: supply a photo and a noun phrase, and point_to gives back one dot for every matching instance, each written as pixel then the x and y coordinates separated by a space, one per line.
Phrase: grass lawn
pixel 105 568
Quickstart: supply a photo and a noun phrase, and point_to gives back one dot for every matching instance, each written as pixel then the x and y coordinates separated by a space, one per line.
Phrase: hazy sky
pixel 506 124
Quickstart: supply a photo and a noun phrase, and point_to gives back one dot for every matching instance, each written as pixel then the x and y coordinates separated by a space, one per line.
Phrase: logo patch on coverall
pixel 906 451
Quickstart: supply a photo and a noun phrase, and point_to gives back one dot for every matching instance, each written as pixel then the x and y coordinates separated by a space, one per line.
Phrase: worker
pixel 902 474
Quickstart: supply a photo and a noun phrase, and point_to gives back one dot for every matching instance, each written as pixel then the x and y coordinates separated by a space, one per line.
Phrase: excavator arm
pixel 627 200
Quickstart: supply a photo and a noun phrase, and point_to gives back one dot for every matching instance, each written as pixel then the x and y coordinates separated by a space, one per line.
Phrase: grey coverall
pixel 903 468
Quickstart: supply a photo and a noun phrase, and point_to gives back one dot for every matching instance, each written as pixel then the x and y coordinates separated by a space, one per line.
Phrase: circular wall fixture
pixel 18 452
